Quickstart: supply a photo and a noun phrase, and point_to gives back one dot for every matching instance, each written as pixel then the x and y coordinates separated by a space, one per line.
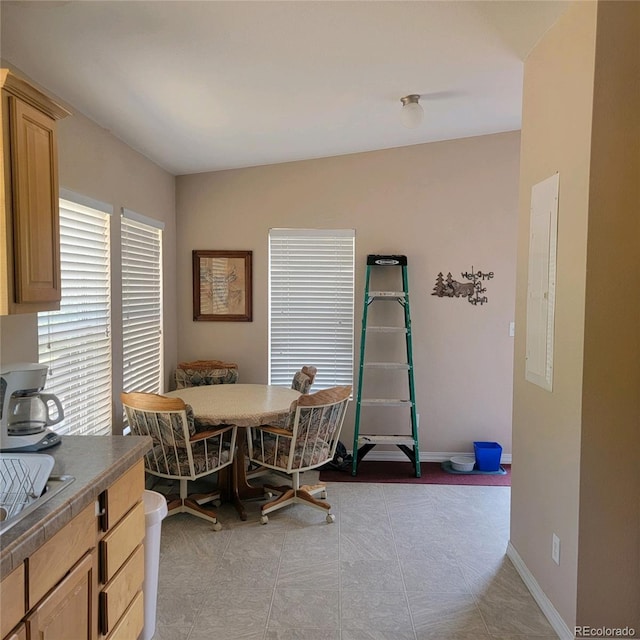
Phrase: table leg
pixel 241 489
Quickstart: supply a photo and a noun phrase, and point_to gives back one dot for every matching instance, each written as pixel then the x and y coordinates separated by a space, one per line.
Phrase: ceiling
pixel 204 86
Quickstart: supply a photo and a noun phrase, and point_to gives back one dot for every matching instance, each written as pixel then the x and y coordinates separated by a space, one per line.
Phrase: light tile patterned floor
pixel 401 562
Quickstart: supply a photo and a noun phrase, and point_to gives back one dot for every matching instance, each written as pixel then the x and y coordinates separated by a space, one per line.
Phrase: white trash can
pixel 155 509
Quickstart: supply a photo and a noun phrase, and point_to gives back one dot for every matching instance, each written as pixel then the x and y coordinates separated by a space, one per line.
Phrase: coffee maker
pixel 24 410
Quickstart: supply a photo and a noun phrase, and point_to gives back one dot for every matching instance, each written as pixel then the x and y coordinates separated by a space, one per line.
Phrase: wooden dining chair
pixel 180 452
pixel 308 441
pixel 303 379
pixel 204 372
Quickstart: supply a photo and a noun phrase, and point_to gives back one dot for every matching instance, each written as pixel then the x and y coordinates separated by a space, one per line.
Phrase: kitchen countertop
pixel 95 462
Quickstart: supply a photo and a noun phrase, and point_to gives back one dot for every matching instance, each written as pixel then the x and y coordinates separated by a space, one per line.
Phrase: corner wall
pixel 556 136
pixel 575 448
pixel 449 206
pixel 609 536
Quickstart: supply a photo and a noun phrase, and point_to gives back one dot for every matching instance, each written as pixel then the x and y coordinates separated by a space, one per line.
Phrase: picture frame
pixel 222 287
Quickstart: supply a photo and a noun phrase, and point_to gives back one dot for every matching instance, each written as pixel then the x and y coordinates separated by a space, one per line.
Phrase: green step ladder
pixel 408 443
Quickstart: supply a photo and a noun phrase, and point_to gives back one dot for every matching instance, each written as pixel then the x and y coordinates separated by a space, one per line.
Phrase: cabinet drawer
pixel 49 564
pixel 116 597
pixel 119 543
pixel 12 597
pixel 131 623
pixel 122 495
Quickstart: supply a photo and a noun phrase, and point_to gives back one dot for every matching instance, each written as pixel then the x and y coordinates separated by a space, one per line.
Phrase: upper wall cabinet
pixel 29 221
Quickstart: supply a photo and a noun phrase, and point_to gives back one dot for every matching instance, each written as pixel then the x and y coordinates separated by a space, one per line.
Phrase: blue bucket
pixel 488 455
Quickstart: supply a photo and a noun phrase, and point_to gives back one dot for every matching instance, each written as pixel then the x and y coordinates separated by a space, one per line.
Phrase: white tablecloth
pixel 245 405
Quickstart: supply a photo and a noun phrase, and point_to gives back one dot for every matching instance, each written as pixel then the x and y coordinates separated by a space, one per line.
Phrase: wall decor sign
pixel 472 291
pixel 222 286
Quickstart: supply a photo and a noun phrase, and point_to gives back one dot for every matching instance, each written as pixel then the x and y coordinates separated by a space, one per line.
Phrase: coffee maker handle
pixel 45 397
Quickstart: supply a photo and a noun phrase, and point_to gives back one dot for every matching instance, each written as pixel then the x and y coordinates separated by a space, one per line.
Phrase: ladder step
pixel 387 365
pixel 382 402
pixel 387 329
pixel 387 294
pixel 374 439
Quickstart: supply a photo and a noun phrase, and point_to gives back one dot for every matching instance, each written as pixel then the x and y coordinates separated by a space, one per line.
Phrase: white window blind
pixel 311 284
pixel 141 303
pixel 76 340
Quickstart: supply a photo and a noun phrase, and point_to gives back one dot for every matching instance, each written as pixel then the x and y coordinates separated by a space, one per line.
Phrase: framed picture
pixel 222 286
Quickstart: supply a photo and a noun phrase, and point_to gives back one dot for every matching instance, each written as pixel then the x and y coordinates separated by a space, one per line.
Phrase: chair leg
pixel 302 494
pixel 315 489
pixel 193 504
pixel 271 488
pixel 282 501
pixel 305 496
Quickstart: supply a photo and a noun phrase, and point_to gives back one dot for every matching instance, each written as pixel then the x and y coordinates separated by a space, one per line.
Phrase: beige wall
pixel 94 163
pixel 566 443
pixel 609 536
pixel 448 206
pixel 556 134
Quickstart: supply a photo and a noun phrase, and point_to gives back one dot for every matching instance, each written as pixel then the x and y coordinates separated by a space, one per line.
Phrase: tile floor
pixel 401 562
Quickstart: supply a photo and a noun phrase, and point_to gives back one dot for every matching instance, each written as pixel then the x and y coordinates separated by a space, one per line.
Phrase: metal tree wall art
pixel 473 290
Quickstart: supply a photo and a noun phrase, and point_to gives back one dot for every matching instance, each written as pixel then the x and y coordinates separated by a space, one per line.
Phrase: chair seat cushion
pixel 275 450
pixel 163 460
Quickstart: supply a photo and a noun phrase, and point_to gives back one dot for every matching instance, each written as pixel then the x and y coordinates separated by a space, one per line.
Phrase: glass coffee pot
pixel 30 413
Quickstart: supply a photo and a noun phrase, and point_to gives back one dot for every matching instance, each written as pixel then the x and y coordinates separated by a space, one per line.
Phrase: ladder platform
pixel 387 294
pixel 388 329
pixel 376 260
pixel 383 402
pixel 379 439
pixel 387 365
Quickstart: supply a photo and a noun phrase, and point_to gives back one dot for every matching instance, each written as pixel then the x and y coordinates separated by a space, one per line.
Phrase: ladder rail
pixel 363 334
pixel 412 390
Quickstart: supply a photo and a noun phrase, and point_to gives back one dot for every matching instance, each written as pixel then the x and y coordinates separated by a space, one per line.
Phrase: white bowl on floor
pixel 463 463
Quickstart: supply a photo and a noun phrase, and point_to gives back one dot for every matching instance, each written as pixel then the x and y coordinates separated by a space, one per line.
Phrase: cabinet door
pixel 18 634
pixel 68 611
pixel 12 599
pixel 35 205
pixel 51 562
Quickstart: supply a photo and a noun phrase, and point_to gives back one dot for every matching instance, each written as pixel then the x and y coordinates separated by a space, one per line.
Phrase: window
pixel 76 340
pixel 141 303
pixel 311 282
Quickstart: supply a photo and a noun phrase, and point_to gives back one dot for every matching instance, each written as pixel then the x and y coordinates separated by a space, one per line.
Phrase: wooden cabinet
pixel 84 582
pixel 29 221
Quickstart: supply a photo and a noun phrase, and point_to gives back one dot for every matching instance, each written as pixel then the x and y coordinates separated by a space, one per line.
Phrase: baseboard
pixel 425 456
pixel 558 624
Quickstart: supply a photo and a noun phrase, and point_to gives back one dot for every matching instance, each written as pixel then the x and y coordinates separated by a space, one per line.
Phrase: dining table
pixel 243 405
